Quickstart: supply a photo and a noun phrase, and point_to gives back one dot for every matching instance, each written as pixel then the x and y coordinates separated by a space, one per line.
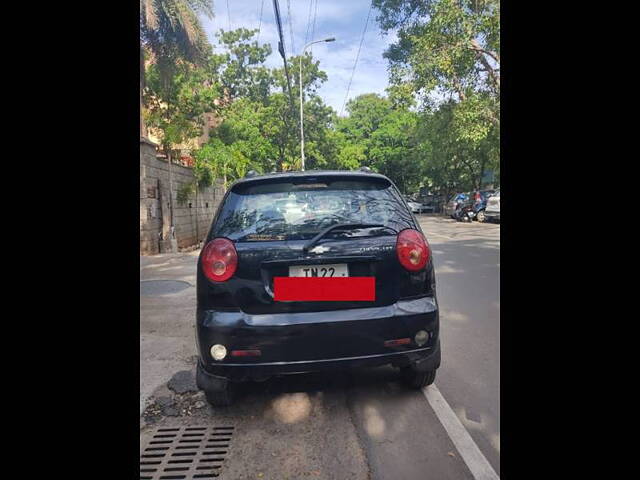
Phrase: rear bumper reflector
pixel 397 341
pixel 246 353
pixel 318 289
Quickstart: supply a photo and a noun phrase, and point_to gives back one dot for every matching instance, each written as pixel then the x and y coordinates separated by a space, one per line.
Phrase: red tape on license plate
pixel 322 289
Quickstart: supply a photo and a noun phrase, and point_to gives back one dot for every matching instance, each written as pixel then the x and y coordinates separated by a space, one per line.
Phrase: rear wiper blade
pixel 341 226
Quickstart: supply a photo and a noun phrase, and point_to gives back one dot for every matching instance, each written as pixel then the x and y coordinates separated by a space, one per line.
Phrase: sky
pixel 342 19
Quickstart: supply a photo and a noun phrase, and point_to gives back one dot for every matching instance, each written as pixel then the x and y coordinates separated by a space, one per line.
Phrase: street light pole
pixel 331 39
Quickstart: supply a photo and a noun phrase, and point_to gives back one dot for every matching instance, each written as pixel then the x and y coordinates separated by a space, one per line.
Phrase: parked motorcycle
pixel 464 212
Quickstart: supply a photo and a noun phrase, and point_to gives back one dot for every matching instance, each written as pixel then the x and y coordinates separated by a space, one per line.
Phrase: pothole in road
pixel 162 287
pixel 179 398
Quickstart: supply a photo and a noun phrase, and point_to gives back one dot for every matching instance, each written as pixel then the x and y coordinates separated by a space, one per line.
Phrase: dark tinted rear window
pixel 299 209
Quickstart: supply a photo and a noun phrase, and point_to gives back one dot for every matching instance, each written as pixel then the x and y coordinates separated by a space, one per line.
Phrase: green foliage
pixel 171 30
pixel 452 48
pixel 240 69
pixel 175 105
pixel 453 162
pixel 381 135
pixel 444 43
pixel 260 125
pixel 448 46
pixel 184 192
pixel 203 171
pixel 213 160
pixel 405 135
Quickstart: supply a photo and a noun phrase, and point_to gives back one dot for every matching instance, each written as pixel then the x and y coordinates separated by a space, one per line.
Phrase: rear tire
pixel 417 380
pixel 221 398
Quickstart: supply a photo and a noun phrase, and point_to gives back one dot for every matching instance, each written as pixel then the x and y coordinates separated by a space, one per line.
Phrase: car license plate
pixel 325 270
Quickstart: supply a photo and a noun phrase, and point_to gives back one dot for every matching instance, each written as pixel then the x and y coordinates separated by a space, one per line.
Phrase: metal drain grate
pixel 185 453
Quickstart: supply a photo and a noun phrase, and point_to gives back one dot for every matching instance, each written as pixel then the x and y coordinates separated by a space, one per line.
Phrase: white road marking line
pixel 480 467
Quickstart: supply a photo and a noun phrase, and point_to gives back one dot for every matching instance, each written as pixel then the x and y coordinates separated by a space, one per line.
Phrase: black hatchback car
pixel 311 271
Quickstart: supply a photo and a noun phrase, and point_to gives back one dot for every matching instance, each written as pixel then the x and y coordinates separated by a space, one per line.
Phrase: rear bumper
pixel 317 341
pixel 422 359
pixel 492 215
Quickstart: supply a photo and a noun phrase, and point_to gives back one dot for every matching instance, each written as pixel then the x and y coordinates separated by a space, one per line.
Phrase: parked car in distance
pixel 437 202
pixel 451 206
pixel 428 203
pixel 428 208
pixel 492 211
pixel 413 203
pixel 249 328
pixel 417 207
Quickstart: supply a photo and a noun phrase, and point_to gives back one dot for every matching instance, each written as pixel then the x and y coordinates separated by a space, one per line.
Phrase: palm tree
pixel 171 30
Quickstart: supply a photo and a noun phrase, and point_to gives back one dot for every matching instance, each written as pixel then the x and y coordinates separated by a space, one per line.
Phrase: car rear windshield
pixel 299 209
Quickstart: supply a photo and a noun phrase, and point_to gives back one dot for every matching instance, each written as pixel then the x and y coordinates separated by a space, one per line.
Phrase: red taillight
pixel 219 260
pixel 412 250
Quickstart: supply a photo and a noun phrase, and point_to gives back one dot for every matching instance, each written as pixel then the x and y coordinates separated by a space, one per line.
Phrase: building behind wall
pixel 183 152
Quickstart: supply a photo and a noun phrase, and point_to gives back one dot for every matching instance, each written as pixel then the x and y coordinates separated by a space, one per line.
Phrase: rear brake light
pixel 412 250
pixel 219 260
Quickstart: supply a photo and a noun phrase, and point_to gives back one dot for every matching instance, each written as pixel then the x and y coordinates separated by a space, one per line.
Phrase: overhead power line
pixel 281 48
pixel 306 36
pixel 313 28
pixel 293 45
pixel 357 56
pixel 260 21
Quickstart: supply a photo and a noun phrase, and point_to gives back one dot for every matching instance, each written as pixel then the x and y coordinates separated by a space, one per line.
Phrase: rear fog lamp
pixel 421 338
pixel 218 352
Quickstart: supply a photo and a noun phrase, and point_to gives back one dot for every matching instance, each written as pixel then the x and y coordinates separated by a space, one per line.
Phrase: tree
pixel 170 30
pixel 259 122
pixel 392 150
pixel 381 135
pixel 451 163
pixel 450 48
pixel 241 68
pixel 175 107
pixel 452 45
pixel 350 155
pixel 245 126
pixel 217 160
pixel 177 103
pixel 317 116
pixel 366 114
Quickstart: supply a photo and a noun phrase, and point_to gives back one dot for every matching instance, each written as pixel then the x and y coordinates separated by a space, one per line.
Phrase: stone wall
pixel 192 219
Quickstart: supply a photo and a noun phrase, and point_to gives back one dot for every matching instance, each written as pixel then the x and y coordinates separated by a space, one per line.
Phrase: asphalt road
pixel 361 424
pixel 467 260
